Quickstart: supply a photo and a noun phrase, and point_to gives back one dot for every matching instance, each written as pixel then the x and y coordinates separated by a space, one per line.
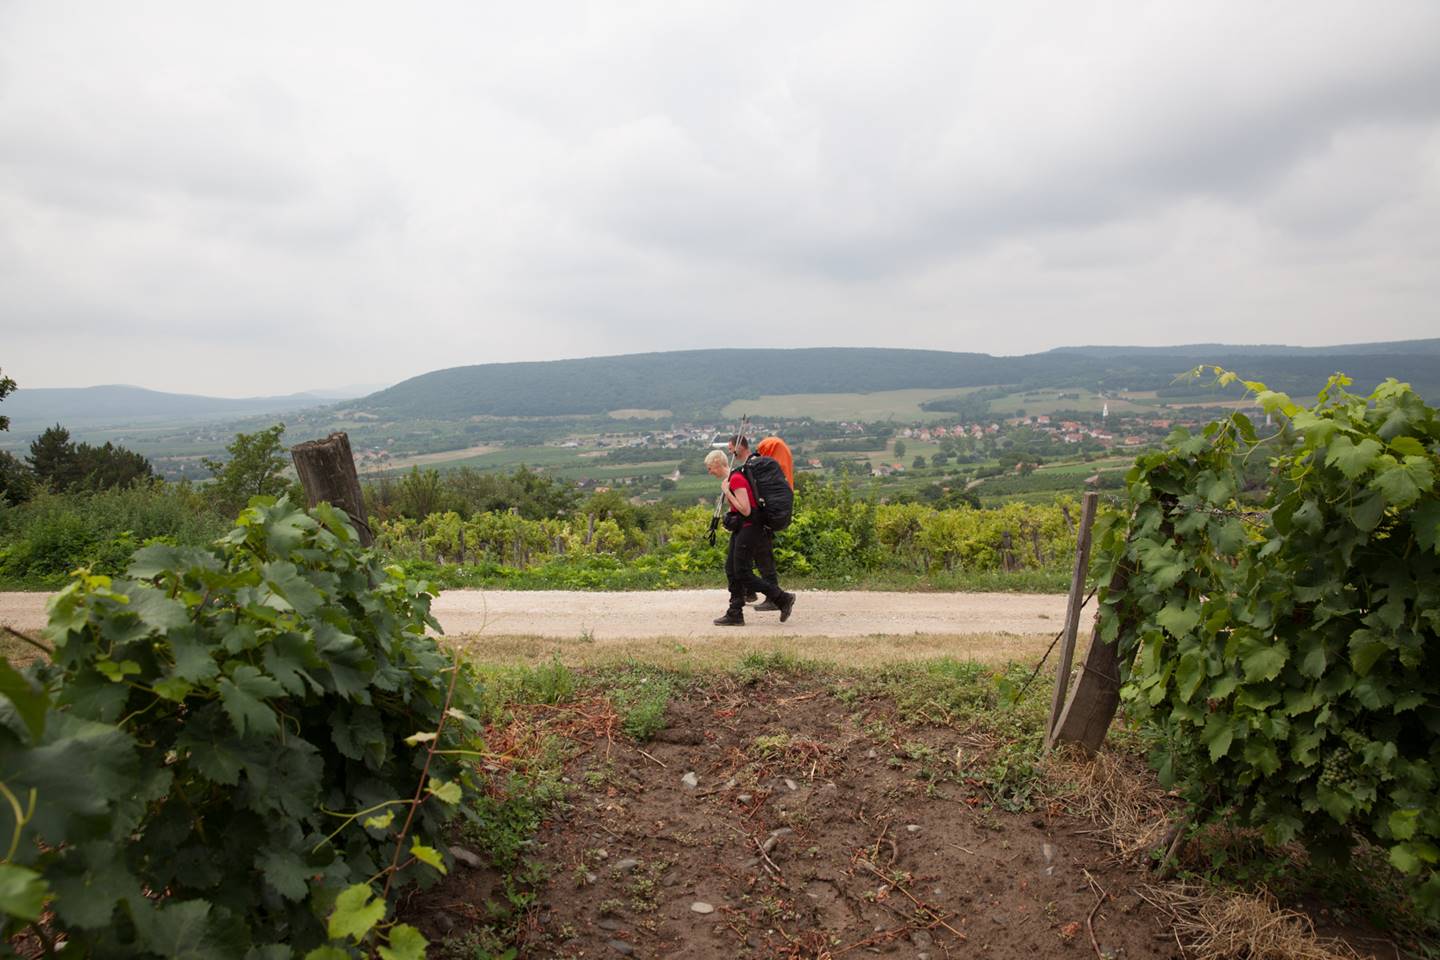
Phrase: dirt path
pixel 588 627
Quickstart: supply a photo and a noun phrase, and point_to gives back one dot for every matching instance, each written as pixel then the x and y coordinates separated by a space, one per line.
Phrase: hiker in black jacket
pixel 745 536
pixel 765 547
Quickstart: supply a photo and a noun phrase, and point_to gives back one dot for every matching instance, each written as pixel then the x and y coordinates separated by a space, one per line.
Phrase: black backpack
pixel 774 500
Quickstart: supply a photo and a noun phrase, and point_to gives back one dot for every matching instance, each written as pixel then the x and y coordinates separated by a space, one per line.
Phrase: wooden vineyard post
pixel 1092 705
pixel 1072 615
pixel 327 472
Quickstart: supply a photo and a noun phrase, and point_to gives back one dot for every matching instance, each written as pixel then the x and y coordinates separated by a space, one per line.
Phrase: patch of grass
pixel 641 692
pixel 760 665
pixel 501 686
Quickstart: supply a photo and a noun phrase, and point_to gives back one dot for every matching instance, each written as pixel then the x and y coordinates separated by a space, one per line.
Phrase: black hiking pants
pixel 745 547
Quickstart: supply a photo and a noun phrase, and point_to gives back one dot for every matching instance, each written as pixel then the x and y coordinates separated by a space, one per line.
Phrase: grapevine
pixel 1276 601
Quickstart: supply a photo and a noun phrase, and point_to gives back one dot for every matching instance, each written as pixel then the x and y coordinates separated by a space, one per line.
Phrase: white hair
pixel 714 457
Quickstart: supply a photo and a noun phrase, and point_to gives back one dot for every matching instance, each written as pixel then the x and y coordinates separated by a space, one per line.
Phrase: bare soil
pixel 816 828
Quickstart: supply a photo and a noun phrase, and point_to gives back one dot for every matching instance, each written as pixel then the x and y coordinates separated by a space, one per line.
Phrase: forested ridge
pixel 702 381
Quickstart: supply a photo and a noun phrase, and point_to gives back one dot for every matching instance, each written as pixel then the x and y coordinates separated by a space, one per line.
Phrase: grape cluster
pixel 1336 767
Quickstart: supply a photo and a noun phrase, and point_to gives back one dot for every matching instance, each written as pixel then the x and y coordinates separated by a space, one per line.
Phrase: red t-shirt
pixel 738 483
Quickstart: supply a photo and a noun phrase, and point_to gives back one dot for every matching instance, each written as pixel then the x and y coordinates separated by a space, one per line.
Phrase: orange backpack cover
pixel 776 449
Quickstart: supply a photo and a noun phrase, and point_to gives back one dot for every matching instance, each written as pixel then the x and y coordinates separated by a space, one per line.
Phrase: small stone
pixel 912 828
pixel 629 863
pixel 620 947
pixel 730 784
pixel 1047 850
pixel 700 906
pixel 743 797
pixel 591 878
pixel 921 939
pixel 464 856
pixel 871 754
pixel 781 832
pixel 922 956
pixel 791 784
pixel 690 780
pixel 610 923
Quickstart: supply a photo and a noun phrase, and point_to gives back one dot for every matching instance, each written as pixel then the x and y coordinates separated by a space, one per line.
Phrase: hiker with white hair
pixel 747 535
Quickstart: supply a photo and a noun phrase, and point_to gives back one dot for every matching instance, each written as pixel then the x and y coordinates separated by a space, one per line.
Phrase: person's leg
pixel 765 563
pixel 746 541
pixel 735 614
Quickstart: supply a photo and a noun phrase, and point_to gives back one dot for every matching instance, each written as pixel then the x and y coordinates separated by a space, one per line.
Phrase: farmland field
pixel 900 405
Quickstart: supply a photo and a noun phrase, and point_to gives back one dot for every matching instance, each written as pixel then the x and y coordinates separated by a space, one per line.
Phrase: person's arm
pixel 739 500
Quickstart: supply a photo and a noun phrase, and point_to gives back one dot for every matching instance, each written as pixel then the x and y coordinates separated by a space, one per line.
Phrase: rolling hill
pixel 701 382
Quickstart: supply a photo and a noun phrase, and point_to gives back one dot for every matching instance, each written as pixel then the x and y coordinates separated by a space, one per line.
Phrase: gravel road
pixel 687 613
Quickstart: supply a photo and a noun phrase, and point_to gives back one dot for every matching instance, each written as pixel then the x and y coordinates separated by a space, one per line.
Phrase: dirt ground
pixel 831 842
pixel 785 819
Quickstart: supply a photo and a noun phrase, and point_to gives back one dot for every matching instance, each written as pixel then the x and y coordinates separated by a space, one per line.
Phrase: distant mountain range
pixel 113 404
pixel 700 382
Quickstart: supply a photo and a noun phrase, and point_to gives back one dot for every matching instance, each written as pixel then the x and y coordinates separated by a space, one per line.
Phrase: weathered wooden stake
pixel 1072 614
pixel 327 472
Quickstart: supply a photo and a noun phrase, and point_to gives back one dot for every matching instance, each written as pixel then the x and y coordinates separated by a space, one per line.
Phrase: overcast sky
pixel 253 198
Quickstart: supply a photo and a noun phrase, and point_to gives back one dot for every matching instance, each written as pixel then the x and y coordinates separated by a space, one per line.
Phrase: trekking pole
pixel 729 464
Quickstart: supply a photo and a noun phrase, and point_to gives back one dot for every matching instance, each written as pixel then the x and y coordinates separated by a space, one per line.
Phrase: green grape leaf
pixel 426 854
pixel 1426 522
pixel 357 910
pixel 194 658
pixel 1312 655
pixel 380 821
pixel 1402 823
pixel 117 672
pixel 1353 459
pixel 1262 661
pixel 241 696
pixel 23 892
pixel 155 609
pixel 1218 734
pixel 445 791
pixel 29 701
pixel 173 688
pixel 406 943
pixel 1402 483
pixel 178 930
pixel 1179 620
pixel 1366 647
pixel 286 872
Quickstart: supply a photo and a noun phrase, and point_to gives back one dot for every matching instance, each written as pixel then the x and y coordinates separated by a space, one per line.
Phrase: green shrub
pixel 238 737
pixel 43 540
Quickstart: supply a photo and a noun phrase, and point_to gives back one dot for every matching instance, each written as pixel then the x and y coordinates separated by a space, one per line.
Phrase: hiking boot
pixel 751 597
pixel 766 607
pixel 785 605
pixel 730 620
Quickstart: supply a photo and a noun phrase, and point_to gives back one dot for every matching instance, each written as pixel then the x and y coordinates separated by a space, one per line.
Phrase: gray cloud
pixel 208 198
